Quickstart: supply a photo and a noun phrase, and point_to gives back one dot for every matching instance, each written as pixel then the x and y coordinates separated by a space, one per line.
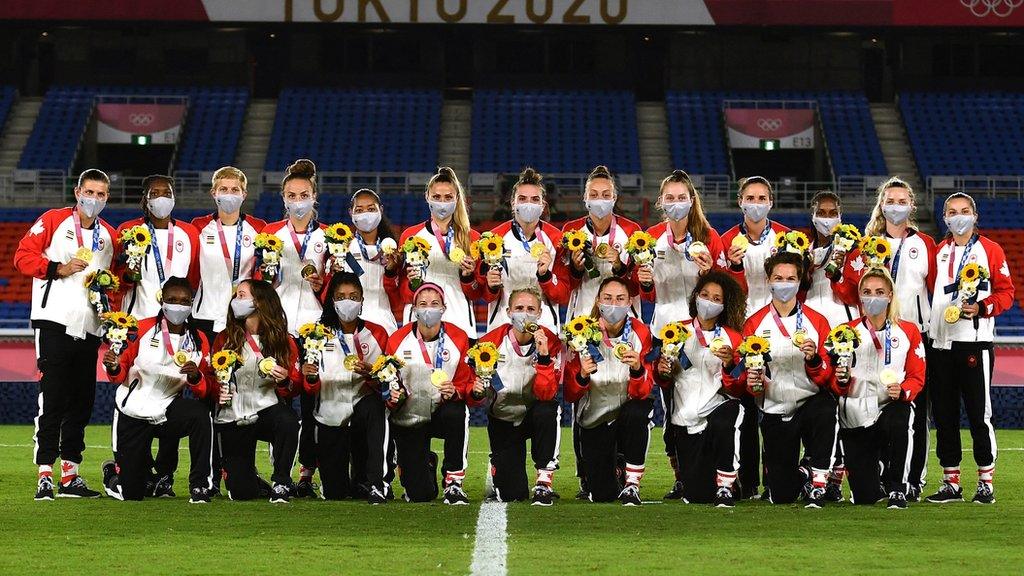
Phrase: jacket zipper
pixel 131 389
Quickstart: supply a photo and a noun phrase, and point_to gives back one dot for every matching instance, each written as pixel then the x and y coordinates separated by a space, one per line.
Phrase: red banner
pixel 116 123
pixel 747 127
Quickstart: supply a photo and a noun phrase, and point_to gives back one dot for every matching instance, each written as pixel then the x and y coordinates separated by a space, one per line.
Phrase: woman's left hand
pixel 279 373
pixel 316 282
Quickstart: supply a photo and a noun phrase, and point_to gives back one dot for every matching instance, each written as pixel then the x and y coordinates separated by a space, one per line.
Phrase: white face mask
pixel 600 208
pixel 960 224
pixel 529 213
pixel 366 221
pixel 176 313
pixel 300 208
pixel 161 206
pixel 706 309
pixel 521 319
pixel 429 316
pixel 824 226
pixel 229 203
pixel 784 291
pixel 896 213
pixel 242 307
pixel 348 310
pixel 874 305
pixel 755 212
pixel 91 207
pixel 677 210
pixel 613 314
pixel 441 210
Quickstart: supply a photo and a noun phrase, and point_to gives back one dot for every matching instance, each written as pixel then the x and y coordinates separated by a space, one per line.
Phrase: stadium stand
pixel 970 134
pixel 554 131
pixel 357 130
pixel 210 137
pixel 697 138
pixel 7 94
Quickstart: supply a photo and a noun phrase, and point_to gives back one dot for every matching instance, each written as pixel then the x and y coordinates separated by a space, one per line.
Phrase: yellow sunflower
pixel 416 244
pixel 224 359
pixel 306 329
pixel 338 233
pixel 881 247
pixel 141 236
pixel 484 355
pixel 574 240
pixel 754 344
pixel 268 242
pixel 639 241
pixel 971 272
pixel 798 239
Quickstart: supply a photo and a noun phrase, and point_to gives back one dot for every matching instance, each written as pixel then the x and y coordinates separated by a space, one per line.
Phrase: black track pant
pixel 668 434
pixel 417 464
pixel 922 408
pixel 277 425
pixel 132 440
pixel 629 435
pixel 508 448
pixel 814 425
pixel 206 327
pixel 367 429
pixel 703 454
pixel 750 448
pixel 307 431
pixel 67 391
pixel 963 374
pixel 879 454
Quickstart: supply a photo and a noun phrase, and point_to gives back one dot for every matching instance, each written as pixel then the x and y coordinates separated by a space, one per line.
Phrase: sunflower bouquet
pixel 640 247
pixel 793 241
pixel 417 255
pixel 135 241
pixel 673 336
pixel 313 338
pixel 973 277
pixel 338 238
pixel 117 329
pixel 583 334
pixel 483 357
pixel 491 248
pixel 268 253
pixel 840 343
pixel 225 363
pixel 101 284
pixel 577 240
pixel 755 352
pixel 844 238
pixel 875 250
pixel 385 370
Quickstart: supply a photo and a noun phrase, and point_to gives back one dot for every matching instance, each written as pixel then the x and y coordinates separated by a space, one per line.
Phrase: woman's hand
pixel 541 339
pixel 665 366
pixel 703 261
pixel 316 282
pixel 279 373
pixel 632 359
pixel 809 348
pixel 544 263
pixel 587 366
pixel 110 360
pixel 494 277
pixel 191 372
pixel 447 390
pixel 645 274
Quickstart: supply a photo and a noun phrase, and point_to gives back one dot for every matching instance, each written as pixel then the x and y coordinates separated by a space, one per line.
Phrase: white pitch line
pixel 490 549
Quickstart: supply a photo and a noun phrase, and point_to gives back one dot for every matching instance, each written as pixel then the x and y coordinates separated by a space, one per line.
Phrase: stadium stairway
pixel 19 125
pixel 453 139
pixel 655 157
pixel 892 137
pixel 256 130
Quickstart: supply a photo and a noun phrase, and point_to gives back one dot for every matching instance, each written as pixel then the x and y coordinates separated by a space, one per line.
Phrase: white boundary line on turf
pixel 490 549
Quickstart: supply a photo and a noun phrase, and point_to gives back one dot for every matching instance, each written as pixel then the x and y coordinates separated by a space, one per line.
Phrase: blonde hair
pixel 894 304
pixel 697 223
pixel 228 172
pixel 460 220
pixel 531 290
pixel 876 224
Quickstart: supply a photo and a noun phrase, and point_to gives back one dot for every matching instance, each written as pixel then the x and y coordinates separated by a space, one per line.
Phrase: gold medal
pixel 160 296
pixel 601 251
pixel 716 344
pixel 267 365
pixel 888 376
pixel 799 336
pixel 181 358
pixel 388 246
pixel 351 361
pixel 741 242
pixel 308 269
pixel 456 255
pixel 84 254
pixel 696 248
pixel 620 350
pixel 438 377
pixel 951 314
pixel 538 250
pixel 532 327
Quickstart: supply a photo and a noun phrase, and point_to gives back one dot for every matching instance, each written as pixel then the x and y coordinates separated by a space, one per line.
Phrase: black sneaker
pixel 76 489
pixel 723 498
pixel 454 495
pixel 542 496
pixel 199 496
pixel 676 493
pixel 44 490
pixel 948 492
pixel 816 497
pixel 984 495
pixel 280 494
pixel 359 491
pixel 111 482
pixel 630 495
pixel 305 489
pixel 584 493
pixel 263 488
pixel 164 487
pixel 897 500
pixel 389 494
pixel 376 496
pixel 834 492
pixel 914 493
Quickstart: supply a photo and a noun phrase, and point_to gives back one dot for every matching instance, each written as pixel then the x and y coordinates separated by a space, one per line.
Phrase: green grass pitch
pixel 306 537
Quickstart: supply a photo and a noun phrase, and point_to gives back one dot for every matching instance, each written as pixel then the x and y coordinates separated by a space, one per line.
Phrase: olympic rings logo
pixel 141 119
pixel 1000 8
pixel 772 124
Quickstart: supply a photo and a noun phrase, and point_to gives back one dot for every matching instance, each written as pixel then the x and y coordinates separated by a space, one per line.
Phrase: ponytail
pixel 460 220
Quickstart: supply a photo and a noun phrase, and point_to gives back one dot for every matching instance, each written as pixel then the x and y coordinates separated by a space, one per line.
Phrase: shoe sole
pixel 43 499
pixel 983 503
pixel 545 504
pixel 630 504
pixel 896 507
pixel 456 503
pixel 198 501
pixel 278 501
pixel 77 496
pixel 944 501
pixel 813 506
pixel 725 505
pixel 113 494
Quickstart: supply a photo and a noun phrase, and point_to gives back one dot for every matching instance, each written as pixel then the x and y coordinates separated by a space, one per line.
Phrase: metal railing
pixel 990 186
pixel 857 192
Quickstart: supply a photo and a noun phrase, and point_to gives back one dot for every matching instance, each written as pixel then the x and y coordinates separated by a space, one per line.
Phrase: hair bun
pixel 302 168
pixel 601 171
pixel 530 176
pixel 446 174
